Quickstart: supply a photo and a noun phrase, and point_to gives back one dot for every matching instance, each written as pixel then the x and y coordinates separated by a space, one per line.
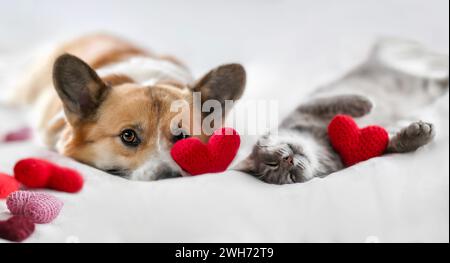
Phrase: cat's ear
pixel 248 165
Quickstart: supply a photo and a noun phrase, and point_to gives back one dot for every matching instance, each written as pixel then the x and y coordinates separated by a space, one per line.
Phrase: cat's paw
pixel 420 131
pixel 360 106
pixel 417 134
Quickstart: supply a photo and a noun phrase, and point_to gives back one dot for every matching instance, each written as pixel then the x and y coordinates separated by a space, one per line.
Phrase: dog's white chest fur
pixel 148 71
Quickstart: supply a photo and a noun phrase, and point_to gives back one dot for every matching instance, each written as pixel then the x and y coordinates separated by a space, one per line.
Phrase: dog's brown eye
pixel 130 138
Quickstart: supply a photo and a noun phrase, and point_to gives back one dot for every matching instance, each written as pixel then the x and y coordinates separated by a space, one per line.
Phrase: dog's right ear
pixel 79 87
pixel 223 83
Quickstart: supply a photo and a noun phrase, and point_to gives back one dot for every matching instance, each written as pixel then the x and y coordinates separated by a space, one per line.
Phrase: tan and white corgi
pixel 107 103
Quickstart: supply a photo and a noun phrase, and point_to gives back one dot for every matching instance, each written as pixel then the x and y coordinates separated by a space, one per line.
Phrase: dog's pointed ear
pixel 226 82
pixel 80 88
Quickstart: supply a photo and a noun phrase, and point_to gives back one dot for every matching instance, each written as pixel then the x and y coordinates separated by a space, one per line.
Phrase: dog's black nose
pixel 165 171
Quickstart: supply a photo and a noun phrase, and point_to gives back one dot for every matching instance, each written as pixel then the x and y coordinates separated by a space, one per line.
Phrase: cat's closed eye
pixel 272 164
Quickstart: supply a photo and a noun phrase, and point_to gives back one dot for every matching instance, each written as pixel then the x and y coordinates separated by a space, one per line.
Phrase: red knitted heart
pixel 16 229
pixel 353 144
pixel 37 173
pixel 7 185
pixel 196 158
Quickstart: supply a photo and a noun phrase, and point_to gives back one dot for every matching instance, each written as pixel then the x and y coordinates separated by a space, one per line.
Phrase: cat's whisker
pixel 282 152
pixel 299 164
pixel 279 153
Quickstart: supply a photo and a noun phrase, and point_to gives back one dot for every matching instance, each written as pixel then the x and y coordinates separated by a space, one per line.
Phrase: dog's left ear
pixel 226 82
pixel 80 88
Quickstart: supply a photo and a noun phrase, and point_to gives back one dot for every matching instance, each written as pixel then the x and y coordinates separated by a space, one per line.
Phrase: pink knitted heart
pixel 22 134
pixel 41 208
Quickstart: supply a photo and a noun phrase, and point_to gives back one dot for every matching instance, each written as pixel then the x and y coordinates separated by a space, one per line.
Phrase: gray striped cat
pixel 399 77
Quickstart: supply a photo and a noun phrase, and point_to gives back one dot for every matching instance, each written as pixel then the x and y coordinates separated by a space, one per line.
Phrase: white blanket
pixel 288 48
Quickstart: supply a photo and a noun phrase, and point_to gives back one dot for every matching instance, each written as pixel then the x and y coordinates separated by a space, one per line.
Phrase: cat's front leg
pixel 328 107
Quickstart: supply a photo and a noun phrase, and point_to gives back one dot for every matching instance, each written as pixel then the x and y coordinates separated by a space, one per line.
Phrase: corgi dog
pixel 107 103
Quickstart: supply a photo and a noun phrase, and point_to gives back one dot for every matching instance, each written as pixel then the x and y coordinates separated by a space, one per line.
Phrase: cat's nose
pixel 288 160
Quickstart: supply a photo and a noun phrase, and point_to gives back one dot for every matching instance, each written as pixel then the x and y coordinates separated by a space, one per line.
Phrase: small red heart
pixel 195 157
pixel 353 144
pixel 8 184
pixel 16 229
